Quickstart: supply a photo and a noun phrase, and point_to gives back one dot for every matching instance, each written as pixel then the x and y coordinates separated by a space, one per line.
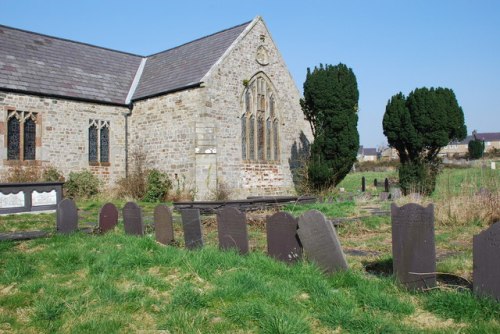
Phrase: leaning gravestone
pixel 413 247
pixel 108 217
pixel 282 240
pixel 486 263
pixel 67 217
pixel 320 241
pixel 132 219
pixel 191 225
pixel 164 229
pixel 232 229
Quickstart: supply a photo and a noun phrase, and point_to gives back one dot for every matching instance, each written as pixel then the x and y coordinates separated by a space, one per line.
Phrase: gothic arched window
pixel 98 141
pixel 21 135
pixel 259 122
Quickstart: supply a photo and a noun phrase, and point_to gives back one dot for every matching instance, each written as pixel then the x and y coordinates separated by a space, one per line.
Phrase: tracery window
pixel 259 122
pixel 21 135
pixel 98 141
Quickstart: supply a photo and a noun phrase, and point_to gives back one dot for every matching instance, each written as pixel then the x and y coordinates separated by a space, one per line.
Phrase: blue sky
pixel 392 46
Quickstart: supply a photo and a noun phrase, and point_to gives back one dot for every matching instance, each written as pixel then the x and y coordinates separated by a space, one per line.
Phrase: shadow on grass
pixel 382 267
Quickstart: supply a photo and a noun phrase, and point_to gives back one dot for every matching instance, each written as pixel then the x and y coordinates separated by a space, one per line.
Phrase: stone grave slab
pixel 67 216
pixel 108 217
pixel 282 240
pixel 320 241
pixel 486 262
pixel 232 229
pixel 132 219
pixel 191 224
pixel 164 228
pixel 413 245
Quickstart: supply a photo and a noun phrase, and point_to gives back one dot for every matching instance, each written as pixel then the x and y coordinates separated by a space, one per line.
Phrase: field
pixel 115 283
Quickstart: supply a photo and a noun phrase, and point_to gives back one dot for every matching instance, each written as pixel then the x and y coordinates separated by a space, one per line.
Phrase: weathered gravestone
pixel 191 225
pixel 375 183
pixel 486 262
pixel 282 240
pixel 386 185
pixel 384 196
pixel 413 247
pixel 108 217
pixel 67 216
pixel 232 229
pixel 395 193
pixel 164 229
pixel 320 241
pixel 363 184
pixel 132 219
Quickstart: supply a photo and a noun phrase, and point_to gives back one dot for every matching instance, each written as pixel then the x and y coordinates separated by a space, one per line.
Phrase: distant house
pixel 388 154
pixel 367 154
pixel 461 148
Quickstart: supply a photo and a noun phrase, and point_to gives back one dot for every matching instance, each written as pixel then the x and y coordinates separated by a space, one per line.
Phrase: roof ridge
pixel 200 38
pixel 71 41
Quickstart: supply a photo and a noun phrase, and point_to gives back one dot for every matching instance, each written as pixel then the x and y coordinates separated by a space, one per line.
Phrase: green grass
pixel 343 209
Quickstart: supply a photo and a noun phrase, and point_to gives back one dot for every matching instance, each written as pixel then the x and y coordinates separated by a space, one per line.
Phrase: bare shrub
pixel 222 192
pixel 182 190
pixel 32 173
pixel 134 185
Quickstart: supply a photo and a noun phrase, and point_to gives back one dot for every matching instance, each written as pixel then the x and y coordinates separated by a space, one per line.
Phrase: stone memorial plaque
pixel 282 240
pixel 191 224
pixel 67 217
pixel 486 262
pixel 132 219
pixel 108 217
pixel 164 228
pixel 12 200
pixel 43 198
pixel 413 246
pixel 232 229
pixel 320 241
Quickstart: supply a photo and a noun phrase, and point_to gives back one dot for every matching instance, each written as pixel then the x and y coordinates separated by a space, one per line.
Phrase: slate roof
pixel 40 64
pixel 486 136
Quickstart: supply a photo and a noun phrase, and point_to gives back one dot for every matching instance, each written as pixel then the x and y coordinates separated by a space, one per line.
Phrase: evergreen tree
pixel 476 149
pixel 418 127
pixel 330 105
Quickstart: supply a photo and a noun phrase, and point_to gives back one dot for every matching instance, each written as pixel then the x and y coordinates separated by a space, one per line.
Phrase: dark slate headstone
pixel 132 219
pixel 383 196
pixel 363 184
pixel 67 216
pixel 191 224
pixel 320 241
pixel 386 185
pixel 164 229
pixel 413 246
pixel 232 229
pixel 486 262
pixel 375 183
pixel 282 239
pixel 108 217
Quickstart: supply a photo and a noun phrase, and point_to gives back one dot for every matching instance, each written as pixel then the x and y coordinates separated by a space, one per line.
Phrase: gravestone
pixel 413 246
pixel 363 184
pixel 375 183
pixel 232 229
pixel 386 185
pixel 395 193
pixel 384 196
pixel 67 217
pixel 132 219
pixel 320 241
pixel 164 229
pixel 191 225
pixel 108 217
pixel 486 263
pixel 282 240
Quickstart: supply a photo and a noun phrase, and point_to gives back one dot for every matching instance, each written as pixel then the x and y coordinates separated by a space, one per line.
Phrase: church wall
pixel 225 87
pixel 62 134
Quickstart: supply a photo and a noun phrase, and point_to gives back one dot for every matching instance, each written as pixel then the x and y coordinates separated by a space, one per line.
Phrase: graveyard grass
pixel 115 283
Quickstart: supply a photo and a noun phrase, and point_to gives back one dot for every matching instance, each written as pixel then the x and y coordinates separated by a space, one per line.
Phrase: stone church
pixel 219 110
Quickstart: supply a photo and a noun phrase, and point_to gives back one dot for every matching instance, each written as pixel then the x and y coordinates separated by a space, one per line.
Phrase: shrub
pixel 52 174
pixel 23 174
pixel 82 185
pixel 157 186
pixel 134 185
pixel 476 149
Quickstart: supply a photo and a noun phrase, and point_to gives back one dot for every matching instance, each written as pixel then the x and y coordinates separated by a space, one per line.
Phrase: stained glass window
pixel 243 137
pixel 251 138
pixel 29 139
pixel 104 149
pixel 268 139
pixel 93 143
pixel 260 137
pixel 13 139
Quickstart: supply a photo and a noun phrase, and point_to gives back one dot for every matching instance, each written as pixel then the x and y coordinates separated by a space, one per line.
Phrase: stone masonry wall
pixel 62 134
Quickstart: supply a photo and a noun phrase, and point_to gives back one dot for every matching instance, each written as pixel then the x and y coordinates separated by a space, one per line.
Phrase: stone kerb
pixel 413 245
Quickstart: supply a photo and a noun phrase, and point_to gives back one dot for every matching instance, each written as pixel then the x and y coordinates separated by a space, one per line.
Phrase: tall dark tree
pixel 418 127
pixel 330 105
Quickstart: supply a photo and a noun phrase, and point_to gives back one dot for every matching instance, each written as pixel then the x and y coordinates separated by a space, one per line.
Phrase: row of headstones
pixel 375 184
pixel 385 195
pixel 414 252
pixel 287 236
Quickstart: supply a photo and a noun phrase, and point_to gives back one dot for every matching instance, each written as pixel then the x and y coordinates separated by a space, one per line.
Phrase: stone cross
pixel 164 229
pixel 282 240
pixel 191 224
pixel 486 262
pixel 413 246
pixel 320 241
pixel 108 217
pixel 132 219
pixel 67 217
pixel 232 229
